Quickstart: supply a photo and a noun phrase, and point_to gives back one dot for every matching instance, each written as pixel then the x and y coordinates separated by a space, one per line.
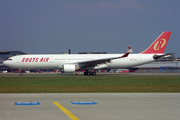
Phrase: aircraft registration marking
pixel 133 59
pixel 68 113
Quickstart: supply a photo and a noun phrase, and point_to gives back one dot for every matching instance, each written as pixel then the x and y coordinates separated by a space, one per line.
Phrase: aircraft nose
pixel 5 62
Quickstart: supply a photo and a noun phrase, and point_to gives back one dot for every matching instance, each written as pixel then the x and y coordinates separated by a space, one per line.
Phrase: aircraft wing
pixel 94 62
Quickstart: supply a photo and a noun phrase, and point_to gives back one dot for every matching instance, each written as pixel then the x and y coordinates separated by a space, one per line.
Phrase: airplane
pixel 69 63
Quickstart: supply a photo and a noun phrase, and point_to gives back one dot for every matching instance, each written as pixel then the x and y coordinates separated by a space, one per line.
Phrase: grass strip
pixel 91 84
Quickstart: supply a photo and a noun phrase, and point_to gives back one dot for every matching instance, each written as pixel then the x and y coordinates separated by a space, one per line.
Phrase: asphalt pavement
pixel 109 106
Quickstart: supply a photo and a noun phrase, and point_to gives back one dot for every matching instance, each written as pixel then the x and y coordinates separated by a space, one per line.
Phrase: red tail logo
pixel 159 45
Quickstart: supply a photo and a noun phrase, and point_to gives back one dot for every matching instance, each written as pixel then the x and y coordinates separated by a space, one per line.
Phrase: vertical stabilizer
pixel 159 45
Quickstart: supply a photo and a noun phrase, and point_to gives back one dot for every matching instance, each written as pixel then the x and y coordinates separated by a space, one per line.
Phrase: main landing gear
pixel 89 73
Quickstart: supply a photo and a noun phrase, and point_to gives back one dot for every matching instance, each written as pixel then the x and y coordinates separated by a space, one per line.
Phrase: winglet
pixel 159 45
pixel 125 55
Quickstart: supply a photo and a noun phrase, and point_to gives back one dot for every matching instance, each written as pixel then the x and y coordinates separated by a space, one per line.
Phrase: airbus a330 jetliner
pixel 69 63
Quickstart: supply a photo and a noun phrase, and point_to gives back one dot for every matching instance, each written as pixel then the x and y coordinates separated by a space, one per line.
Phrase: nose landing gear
pixel 21 72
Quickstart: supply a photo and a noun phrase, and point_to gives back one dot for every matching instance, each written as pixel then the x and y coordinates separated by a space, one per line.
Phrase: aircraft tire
pixel 93 73
pixel 21 73
pixel 85 73
pixel 89 73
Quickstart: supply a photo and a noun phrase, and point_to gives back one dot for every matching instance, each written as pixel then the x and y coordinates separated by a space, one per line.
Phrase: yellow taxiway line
pixel 69 114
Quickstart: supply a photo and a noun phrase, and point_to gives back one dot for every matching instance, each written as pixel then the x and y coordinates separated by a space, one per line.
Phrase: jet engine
pixel 69 68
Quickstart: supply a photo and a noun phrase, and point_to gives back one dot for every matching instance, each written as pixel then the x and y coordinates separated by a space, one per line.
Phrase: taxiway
pixel 110 106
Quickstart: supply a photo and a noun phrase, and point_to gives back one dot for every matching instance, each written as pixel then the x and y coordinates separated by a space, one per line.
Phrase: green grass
pixel 91 84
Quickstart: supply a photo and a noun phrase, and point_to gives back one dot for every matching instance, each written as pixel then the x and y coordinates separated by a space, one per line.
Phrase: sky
pixel 55 26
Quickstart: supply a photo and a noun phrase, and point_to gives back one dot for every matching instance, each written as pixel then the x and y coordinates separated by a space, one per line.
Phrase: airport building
pixel 4 55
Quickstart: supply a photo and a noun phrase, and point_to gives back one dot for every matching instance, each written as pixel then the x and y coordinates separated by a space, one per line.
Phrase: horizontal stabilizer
pixel 160 56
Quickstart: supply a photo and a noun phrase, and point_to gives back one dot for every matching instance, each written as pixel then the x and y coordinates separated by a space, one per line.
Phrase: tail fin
pixel 159 45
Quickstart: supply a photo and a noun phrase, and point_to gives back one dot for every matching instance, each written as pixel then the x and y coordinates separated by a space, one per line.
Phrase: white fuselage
pixel 56 61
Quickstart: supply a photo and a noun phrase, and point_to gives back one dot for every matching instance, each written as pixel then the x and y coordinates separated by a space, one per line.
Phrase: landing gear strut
pixel 21 73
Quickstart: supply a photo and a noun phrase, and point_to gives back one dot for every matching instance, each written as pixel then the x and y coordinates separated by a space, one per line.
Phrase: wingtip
pixel 125 55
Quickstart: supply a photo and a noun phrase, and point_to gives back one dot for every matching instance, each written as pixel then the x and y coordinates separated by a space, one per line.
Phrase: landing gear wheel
pixel 21 73
pixel 85 73
pixel 93 73
pixel 89 73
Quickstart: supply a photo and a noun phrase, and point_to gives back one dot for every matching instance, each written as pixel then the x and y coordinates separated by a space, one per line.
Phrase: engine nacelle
pixel 69 68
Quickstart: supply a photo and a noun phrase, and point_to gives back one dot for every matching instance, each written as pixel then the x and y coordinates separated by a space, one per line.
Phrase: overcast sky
pixel 54 26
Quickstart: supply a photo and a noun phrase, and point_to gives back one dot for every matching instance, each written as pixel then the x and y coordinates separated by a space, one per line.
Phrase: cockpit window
pixel 10 59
